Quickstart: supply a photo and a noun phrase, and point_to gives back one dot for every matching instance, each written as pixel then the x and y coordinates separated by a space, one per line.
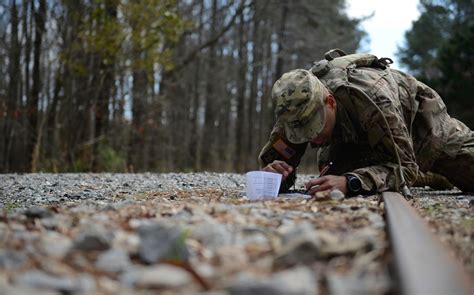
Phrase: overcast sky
pixel 387 27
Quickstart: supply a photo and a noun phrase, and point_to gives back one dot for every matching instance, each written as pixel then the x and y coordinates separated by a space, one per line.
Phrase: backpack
pixel 332 70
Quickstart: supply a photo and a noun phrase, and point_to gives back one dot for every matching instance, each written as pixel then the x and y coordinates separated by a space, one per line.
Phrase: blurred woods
pixel 151 85
pixel 439 50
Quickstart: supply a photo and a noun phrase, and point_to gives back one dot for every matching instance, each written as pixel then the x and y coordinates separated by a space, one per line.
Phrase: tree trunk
pixel 256 72
pixel 40 18
pixel 281 37
pixel 196 136
pixel 241 124
pixel 208 146
pixel 106 72
pixel 266 107
pixel 13 93
pixel 137 132
pixel 52 119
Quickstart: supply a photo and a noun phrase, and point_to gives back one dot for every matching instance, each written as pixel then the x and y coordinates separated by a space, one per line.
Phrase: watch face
pixel 354 184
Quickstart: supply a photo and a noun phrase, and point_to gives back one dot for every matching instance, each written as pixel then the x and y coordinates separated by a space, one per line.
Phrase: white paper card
pixel 262 185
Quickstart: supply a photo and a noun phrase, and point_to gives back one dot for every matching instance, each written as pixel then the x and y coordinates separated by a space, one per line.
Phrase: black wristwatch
pixel 354 186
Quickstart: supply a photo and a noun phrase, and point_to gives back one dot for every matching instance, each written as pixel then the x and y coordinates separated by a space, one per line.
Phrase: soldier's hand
pixel 328 182
pixel 279 167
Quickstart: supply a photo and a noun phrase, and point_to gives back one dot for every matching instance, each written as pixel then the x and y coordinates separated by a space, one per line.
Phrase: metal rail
pixel 422 262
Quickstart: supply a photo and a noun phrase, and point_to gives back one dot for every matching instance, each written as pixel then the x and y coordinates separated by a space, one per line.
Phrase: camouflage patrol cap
pixel 298 97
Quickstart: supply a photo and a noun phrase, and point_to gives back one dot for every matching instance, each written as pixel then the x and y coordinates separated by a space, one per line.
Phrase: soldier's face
pixel 324 137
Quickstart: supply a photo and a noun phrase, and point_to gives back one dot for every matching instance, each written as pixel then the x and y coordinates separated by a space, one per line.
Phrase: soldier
pixel 381 128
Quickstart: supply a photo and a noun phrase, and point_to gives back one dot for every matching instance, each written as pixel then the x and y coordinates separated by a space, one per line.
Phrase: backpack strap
pixel 328 55
pixel 345 61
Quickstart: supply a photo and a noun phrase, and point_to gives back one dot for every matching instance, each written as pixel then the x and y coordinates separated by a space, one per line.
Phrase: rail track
pixel 422 263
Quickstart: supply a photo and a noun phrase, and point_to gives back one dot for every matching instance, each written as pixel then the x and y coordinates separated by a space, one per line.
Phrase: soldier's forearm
pixel 384 177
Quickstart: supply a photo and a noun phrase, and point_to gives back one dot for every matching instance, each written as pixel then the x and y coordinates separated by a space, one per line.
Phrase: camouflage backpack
pixel 332 70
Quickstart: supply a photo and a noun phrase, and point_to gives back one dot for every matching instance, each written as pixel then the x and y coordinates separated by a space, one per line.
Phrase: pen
pixel 322 173
pixel 325 169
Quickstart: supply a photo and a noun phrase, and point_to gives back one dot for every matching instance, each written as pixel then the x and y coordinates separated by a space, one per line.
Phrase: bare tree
pixel 151 85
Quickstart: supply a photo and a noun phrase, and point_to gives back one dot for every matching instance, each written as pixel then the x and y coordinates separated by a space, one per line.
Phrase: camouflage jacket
pixel 361 144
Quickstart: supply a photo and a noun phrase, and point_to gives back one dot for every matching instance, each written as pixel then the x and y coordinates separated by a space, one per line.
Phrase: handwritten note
pixel 262 185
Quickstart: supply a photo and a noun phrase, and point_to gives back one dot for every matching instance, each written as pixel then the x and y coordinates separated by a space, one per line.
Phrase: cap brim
pixel 309 130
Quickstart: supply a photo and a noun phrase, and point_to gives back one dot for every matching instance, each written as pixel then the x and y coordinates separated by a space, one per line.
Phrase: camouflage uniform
pixel 425 136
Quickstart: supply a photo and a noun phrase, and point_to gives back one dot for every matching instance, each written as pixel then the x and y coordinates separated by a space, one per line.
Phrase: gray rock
pixel 253 235
pixel 159 241
pixel 114 206
pixel 342 208
pixel 301 245
pixel 42 280
pixel 332 245
pixel 129 242
pixel 113 260
pixel 38 212
pixel 250 287
pixel 160 276
pixel 10 259
pixel 302 251
pixel 55 244
pixel 84 207
pixel 304 245
pixel 376 220
pixel 353 283
pixel 299 280
pixel 183 214
pixel 92 239
pixel 16 290
pixel 212 234
pixel 336 195
pixel 303 230
pixel 50 223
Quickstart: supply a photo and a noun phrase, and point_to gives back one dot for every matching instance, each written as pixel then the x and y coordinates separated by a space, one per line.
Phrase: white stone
pixel 156 277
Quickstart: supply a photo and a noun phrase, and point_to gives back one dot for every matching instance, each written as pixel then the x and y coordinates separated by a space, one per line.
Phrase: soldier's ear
pixel 330 101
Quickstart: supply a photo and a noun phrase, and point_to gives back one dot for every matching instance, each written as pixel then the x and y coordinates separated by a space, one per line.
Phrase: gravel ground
pixel 450 215
pixel 26 190
pixel 195 233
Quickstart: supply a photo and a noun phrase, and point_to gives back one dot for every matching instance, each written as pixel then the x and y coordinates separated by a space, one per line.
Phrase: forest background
pixel 175 85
